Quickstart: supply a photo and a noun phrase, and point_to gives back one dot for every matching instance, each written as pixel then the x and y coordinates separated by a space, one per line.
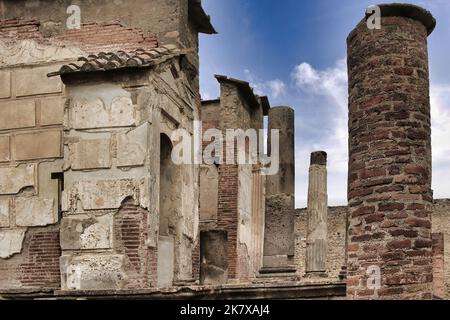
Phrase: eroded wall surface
pixel 31 117
pixel 114 234
pixel 237 206
pixel 106 154
pixel 109 146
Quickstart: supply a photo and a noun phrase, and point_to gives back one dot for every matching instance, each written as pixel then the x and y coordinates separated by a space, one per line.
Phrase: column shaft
pixel 317 233
pixel 389 182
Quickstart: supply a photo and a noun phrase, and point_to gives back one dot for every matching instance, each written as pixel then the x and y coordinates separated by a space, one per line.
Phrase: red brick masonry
pixel 390 194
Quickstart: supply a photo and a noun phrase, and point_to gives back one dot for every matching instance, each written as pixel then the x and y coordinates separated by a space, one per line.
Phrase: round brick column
pixel 389 183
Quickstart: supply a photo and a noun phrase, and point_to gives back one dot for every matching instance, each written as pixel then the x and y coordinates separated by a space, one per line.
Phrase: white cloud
pixel 277 88
pixel 331 82
pixel 305 75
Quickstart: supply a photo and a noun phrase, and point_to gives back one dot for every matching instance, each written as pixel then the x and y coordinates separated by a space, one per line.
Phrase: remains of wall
pixel 238 207
pixel 336 241
pixel 34 40
pixel 441 225
pixel 31 117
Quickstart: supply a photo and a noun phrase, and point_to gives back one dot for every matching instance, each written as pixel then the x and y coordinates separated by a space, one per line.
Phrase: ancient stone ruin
pixel 92 203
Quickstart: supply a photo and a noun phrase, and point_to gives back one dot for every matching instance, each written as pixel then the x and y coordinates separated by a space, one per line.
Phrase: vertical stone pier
pixel 317 233
pixel 280 201
pixel 389 182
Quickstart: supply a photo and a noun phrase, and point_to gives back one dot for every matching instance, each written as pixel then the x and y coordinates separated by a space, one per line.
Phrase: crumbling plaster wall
pixel 103 167
pixel 31 117
pixel 209 180
pixel 34 40
pixel 112 138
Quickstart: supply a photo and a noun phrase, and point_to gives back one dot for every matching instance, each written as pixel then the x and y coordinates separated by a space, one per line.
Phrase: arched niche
pixel 170 180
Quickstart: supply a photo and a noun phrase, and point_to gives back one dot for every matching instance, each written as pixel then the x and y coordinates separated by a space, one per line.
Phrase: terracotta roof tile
pixel 105 61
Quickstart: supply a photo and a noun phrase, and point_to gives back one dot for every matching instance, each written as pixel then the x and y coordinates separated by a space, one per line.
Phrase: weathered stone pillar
pixel 213 257
pixel 317 233
pixel 282 119
pixel 280 201
pixel 389 183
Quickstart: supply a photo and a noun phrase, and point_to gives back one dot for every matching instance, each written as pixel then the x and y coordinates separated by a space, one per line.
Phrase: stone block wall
pixel 31 115
pixel 31 136
pixel 439 283
pixel 441 225
pixel 336 241
pixel 31 150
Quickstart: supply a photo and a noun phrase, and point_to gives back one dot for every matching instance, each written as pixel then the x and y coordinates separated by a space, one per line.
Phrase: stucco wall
pixel 31 118
pixel 113 131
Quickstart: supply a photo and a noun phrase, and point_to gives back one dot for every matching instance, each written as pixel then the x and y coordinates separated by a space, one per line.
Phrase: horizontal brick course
pixel 131 232
pixel 37 266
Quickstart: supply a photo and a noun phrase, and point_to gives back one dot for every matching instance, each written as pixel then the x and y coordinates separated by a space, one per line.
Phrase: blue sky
pixel 294 51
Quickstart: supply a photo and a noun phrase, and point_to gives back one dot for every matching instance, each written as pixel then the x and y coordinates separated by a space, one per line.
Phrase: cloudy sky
pixel 294 51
